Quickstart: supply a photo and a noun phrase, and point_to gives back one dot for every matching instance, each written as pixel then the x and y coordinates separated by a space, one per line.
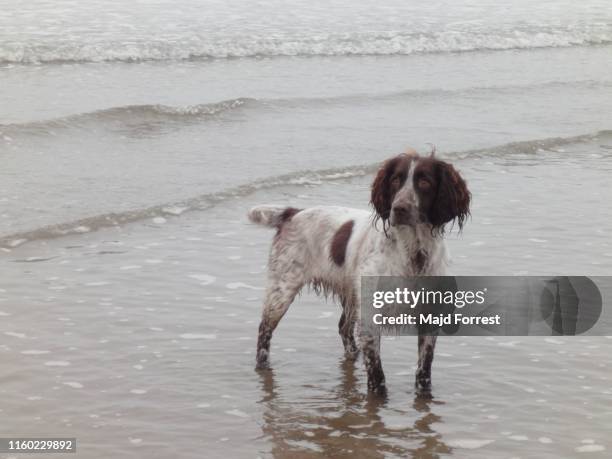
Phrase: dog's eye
pixel 424 184
pixel 396 181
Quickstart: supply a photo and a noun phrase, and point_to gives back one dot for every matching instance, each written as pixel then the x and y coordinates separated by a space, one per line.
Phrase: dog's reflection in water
pixel 347 423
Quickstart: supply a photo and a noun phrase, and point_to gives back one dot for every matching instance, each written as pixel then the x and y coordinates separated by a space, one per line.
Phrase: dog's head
pixel 412 190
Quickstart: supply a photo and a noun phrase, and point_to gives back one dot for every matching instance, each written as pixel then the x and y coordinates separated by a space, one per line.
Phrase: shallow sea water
pixel 139 339
pixel 134 137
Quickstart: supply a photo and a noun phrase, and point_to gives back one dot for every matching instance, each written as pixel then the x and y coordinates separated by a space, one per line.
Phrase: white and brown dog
pixel 330 248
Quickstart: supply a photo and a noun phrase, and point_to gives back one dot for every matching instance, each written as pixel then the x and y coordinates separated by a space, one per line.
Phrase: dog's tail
pixel 272 216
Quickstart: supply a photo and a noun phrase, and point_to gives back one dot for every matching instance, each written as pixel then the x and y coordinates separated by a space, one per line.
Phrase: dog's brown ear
pixel 381 192
pixel 452 201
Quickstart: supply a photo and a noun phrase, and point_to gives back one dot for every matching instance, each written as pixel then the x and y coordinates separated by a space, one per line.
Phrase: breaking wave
pixel 136 115
pixel 198 47
pixel 132 114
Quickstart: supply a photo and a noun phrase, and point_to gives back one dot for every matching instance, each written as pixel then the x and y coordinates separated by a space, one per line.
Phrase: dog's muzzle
pixel 404 214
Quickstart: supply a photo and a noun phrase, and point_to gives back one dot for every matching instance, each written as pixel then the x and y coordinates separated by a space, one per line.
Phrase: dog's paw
pixel 377 388
pixel 422 384
pixel 379 391
pixel 351 354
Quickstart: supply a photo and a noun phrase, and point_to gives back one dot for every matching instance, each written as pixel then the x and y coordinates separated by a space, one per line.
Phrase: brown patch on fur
pixel 453 197
pixel 451 200
pixel 287 215
pixel 389 179
pixel 284 217
pixel 419 261
pixel 340 241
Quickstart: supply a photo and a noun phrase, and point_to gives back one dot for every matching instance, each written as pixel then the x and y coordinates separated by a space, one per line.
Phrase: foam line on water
pixel 358 43
pixel 130 115
pixel 159 213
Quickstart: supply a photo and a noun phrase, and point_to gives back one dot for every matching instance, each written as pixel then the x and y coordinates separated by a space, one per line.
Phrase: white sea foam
pixel 198 336
pixel 238 413
pixel 205 279
pixel 97 283
pixel 236 285
pixel 57 363
pixel 174 210
pixel 74 384
pixel 392 42
pixel 16 335
pixel 138 391
pixel 81 229
pixel 518 437
pixel 468 443
pixel 592 448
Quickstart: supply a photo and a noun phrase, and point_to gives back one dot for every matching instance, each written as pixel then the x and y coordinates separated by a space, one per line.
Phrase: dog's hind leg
pixel 285 280
pixel 370 347
pixel 279 297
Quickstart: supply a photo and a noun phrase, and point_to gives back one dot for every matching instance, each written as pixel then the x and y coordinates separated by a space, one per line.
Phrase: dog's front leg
pixel 346 328
pixel 427 345
pixel 370 347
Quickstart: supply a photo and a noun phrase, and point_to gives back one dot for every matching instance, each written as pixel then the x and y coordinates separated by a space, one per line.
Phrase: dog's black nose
pixel 403 214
